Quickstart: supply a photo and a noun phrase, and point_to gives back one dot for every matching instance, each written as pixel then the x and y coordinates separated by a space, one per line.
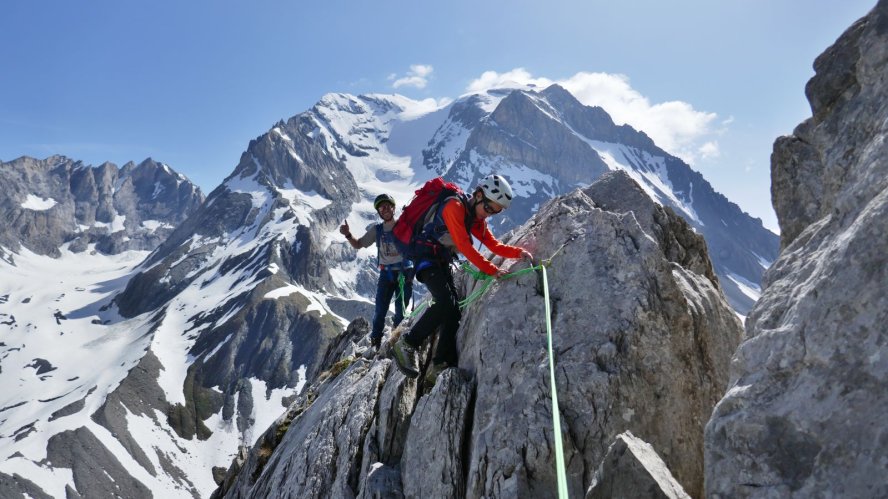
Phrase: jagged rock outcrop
pixel 96 471
pixel 433 463
pixel 57 200
pixel 804 415
pixel 633 469
pixel 642 344
pixel 319 455
pixel 21 485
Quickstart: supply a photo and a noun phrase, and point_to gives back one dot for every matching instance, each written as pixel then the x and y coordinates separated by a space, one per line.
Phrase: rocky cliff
pixel 642 338
pixel 57 200
pixel 804 415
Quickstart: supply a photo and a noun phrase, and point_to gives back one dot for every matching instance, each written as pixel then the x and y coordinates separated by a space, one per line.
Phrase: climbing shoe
pixel 432 375
pixel 375 341
pixel 403 354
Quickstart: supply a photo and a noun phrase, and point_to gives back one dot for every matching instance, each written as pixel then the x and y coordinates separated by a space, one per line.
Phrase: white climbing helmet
pixel 495 188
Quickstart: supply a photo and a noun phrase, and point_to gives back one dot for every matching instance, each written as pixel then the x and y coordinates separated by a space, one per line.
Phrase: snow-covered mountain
pixel 548 143
pixel 169 366
pixel 47 203
pixel 73 236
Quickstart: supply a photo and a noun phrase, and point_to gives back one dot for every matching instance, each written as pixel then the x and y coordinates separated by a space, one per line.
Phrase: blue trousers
pixel 387 288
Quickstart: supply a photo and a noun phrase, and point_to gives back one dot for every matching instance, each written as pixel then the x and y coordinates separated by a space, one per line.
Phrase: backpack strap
pixel 470 213
pixel 436 227
pixel 379 244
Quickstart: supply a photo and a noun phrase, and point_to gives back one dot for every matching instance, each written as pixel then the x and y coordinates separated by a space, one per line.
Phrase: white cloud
pixel 422 69
pixel 516 78
pixel 709 150
pixel 675 126
pixel 416 77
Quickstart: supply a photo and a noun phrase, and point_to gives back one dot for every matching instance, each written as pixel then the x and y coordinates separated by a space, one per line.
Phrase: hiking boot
pixel 432 375
pixel 375 341
pixel 403 354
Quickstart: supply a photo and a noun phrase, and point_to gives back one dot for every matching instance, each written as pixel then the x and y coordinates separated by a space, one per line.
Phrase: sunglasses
pixel 489 209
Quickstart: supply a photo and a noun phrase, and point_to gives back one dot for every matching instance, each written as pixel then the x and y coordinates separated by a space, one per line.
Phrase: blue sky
pixel 189 83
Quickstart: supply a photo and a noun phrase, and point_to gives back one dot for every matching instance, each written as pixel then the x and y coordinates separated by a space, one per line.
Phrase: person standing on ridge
pixel 395 273
pixel 449 231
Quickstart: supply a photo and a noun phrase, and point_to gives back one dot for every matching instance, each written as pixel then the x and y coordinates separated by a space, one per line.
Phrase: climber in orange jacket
pixel 454 220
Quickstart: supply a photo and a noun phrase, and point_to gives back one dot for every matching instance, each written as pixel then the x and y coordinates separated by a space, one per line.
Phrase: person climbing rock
pixel 395 273
pixel 447 231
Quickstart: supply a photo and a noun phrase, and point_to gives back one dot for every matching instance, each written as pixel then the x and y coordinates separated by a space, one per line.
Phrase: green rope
pixel 549 260
pixel 418 309
pixel 401 280
pixel 481 276
pixel 556 412
pixel 560 471
pixel 475 294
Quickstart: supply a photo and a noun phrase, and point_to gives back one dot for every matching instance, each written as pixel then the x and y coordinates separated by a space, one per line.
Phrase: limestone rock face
pixel 57 200
pixel 804 415
pixel 642 343
pixel 433 460
pixel 632 468
pixel 319 455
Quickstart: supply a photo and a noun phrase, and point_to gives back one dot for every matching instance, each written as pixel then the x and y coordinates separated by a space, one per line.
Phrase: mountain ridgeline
pixel 51 202
pixel 567 144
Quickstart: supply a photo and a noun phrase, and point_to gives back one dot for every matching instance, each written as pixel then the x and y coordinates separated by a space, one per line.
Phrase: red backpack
pixel 412 238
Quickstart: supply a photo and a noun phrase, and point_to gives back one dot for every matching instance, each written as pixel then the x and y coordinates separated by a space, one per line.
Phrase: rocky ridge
pixel 804 412
pixel 642 342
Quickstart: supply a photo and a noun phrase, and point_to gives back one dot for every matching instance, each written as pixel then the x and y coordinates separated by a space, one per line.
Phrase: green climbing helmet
pixel 383 198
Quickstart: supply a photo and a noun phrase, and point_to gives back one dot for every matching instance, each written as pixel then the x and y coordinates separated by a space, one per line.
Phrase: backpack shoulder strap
pixel 379 229
pixel 470 212
pixel 437 222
